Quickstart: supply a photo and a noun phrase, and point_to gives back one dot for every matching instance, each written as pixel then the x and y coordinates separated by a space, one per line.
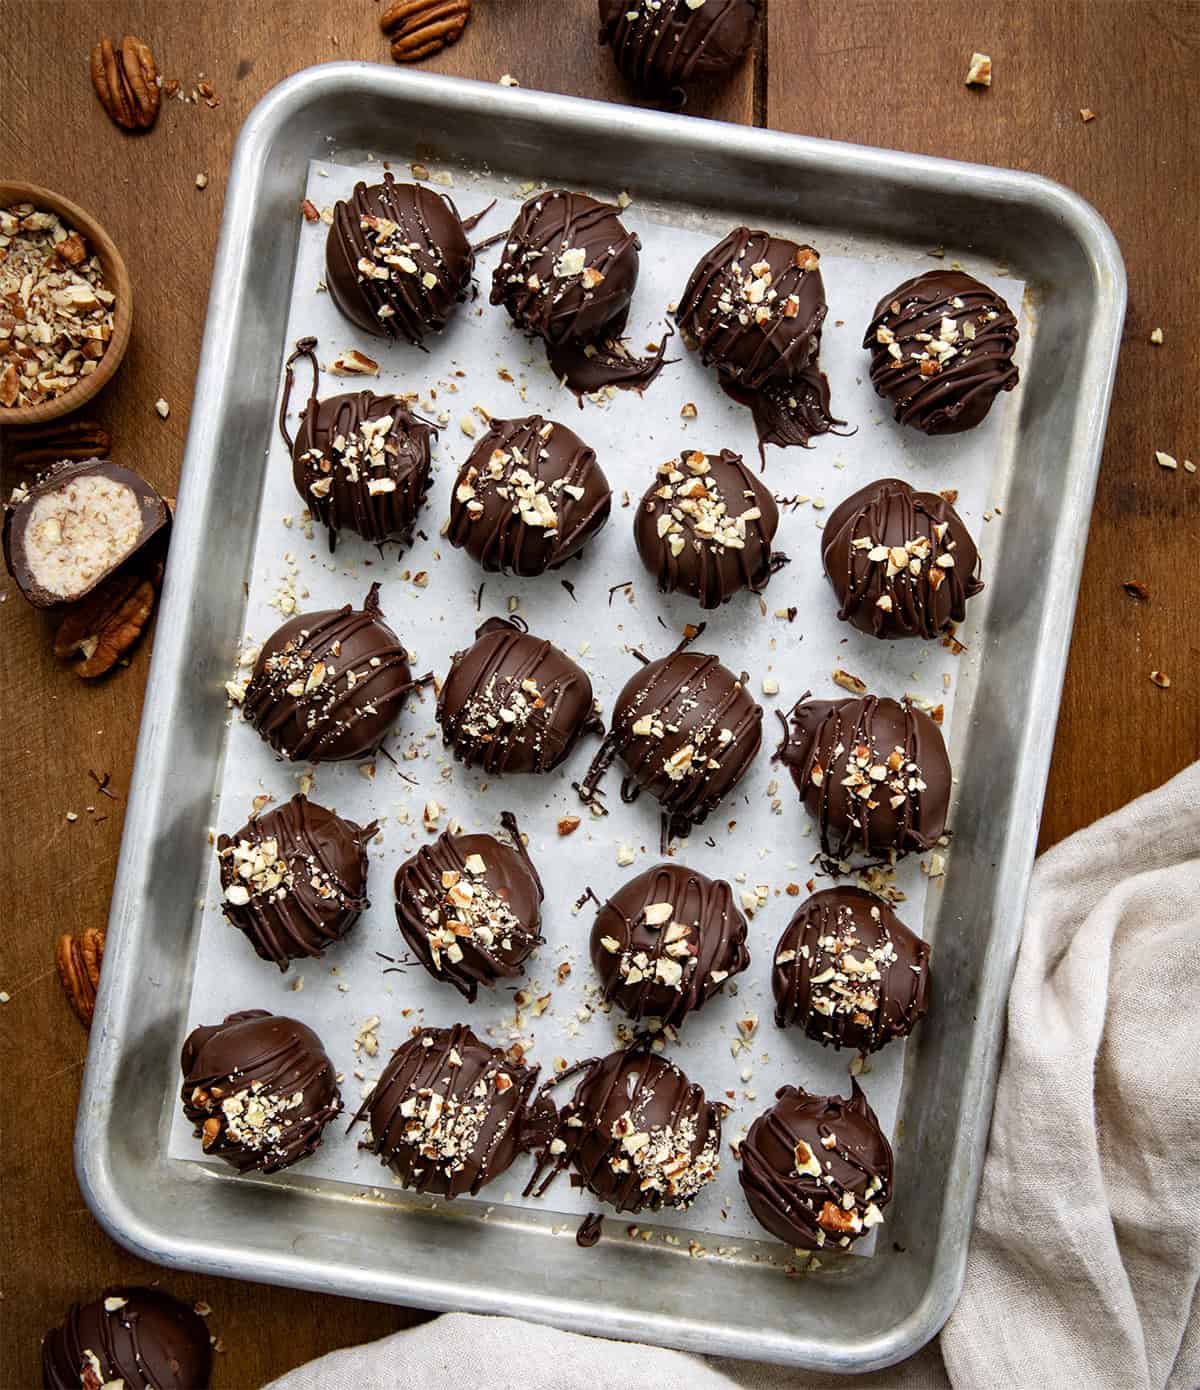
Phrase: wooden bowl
pixel 116 279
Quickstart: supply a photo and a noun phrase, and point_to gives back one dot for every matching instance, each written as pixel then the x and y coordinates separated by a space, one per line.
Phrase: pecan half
pixel 104 626
pixel 33 449
pixel 418 28
pixel 79 958
pixel 126 81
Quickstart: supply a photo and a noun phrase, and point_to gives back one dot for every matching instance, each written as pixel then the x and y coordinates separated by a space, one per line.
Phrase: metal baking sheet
pixel 335 1223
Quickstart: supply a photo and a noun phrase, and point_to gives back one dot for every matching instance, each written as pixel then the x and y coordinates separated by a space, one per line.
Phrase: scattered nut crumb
pixel 1156 336
pixel 508 80
pixel 770 685
pixel 849 682
pixel 1164 460
pixel 1160 679
pixel 201 180
pixel 568 825
pixel 163 407
pixel 1086 114
pixel 979 74
pixel 689 411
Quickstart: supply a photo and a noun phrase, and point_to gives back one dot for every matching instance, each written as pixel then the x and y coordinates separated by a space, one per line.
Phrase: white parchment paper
pixel 429 597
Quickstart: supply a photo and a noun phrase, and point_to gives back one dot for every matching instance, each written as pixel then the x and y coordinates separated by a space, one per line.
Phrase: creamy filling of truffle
pixel 79 532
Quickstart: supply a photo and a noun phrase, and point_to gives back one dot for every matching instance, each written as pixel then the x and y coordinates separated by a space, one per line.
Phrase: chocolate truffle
pixel 449 1112
pixel 662 46
pixel 513 702
pixel 327 687
pixel 902 563
pixel 259 1088
pixel 397 259
pixel 686 730
pixel 705 528
pixel 530 496
pixel 872 772
pixel 754 307
pixel 667 941
pixel 294 879
pixel 817 1170
pixel 941 350
pixel 78 524
pixel 360 462
pixel 567 274
pixel 137 1338
pixel 470 908
pixel 849 972
pixel 637 1132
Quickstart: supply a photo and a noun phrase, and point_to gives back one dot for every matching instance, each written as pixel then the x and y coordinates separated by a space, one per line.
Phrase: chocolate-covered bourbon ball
pixel 449 1112
pixel 513 702
pixel 360 462
pixel 132 1337
pixel 873 773
pixel 637 1132
pixel 259 1088
pixel 667 941
pixel 849 972
pixel 327 687
pixel 754 308
pixel 470 908
pixel 567 274
pixel 663 46
pixel 294 879
pixel 530 496
pixel 705 528
pixel 902 563
pixel 686 730
pixel 397 259
pixel 941 350
pixel 817 1170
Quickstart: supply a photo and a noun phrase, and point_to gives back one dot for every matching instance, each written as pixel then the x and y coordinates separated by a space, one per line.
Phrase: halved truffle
pixel 705 528
pixel 328 686
pixel 686 730
pixel 294 879
pixel 137 1338
pixel 513 702
pixel 637 1132
pixel 941 348
pixel 470 908
pixel 449 1112
pixel 817 1170
pixel 902 563
pixel 666 942
pixel 397 259
pixel 530 496
pixel 259 1088
pixel 849 972
pixel 873 773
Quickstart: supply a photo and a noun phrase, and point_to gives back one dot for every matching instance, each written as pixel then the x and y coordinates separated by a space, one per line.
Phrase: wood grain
pixel 836 69
pixel 54 873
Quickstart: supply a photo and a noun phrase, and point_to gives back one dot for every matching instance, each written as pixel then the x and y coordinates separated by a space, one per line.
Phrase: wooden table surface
pixel 856 70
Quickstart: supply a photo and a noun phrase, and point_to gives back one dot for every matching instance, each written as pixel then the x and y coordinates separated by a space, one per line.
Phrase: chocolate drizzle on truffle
pixel 567 274
pixel 754 308
pixel 259 1088
pixel 667 941
pixel 662 46
pixel 294 880
pixel 705 528
pixel 941 349
pixel 360 462
pixel 530 496
pixel 141 1339
pixel 817 1170
pixel 849 972
pixel 513 702
pixel 397 259
pixel 637 1132
pixel 686 730
pixel 469 907
pixel 327 687
pixel 449 1112
pixel 873 773
pixel 902 563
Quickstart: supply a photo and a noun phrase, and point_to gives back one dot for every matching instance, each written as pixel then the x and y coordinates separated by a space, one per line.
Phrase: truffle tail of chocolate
pixel 591 367
pixel 792 413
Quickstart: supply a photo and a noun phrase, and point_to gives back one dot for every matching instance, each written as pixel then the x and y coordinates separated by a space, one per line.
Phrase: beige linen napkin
pixel 1084 1270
